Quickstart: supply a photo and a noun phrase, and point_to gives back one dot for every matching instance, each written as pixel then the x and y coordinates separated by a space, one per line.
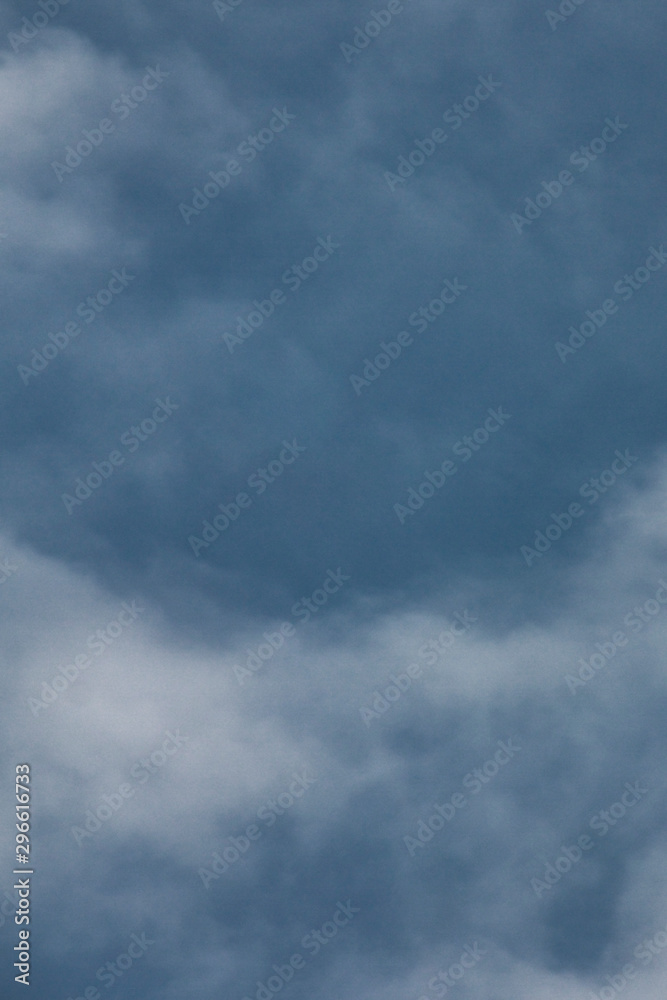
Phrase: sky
pixel 333 545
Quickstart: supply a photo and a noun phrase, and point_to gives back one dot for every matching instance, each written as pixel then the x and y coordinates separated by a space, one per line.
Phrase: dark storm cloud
pixel 339 146
pixel 269 370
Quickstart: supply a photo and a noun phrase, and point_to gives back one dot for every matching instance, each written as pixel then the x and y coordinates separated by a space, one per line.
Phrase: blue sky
pixel 334 466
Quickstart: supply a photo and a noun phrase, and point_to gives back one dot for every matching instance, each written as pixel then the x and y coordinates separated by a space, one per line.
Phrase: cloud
pixel 318 637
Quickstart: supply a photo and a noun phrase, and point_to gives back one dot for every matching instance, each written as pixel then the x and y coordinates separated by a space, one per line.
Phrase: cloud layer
pixel 333 530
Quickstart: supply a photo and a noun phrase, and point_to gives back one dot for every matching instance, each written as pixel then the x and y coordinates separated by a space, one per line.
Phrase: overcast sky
pixel 333 549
